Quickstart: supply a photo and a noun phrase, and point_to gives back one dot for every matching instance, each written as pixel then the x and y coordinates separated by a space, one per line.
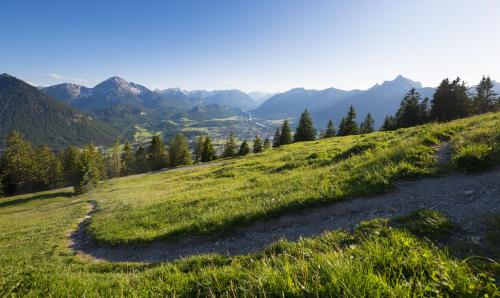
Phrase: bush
pixel 472 158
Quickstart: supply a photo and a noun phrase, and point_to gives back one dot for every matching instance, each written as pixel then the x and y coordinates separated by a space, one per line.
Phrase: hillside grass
pixel 215 199
pixel 378 259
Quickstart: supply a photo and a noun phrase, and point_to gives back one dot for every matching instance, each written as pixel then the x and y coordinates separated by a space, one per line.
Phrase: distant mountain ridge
pixel 380 100
pixel 45 120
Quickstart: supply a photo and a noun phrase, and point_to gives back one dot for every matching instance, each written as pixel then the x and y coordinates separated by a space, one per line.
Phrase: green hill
pixel 44 120
pixel 403 257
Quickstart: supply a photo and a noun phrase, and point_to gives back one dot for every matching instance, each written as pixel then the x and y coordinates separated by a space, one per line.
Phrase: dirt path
pixel 466 199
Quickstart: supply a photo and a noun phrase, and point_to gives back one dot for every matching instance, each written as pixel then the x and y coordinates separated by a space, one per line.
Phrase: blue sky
pixel 265 45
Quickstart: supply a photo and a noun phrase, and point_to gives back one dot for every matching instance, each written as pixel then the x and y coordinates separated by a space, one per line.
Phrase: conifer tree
pixel 257 145
pixel 69 159
pixel 230 147
pixel 141 163
pixel 305 130
pixel 178 151
pixel 450 101
pixel 277 138
pixel 330 130
pixel 348 125
pixel 389 123
pixel 157 155
pixel 285 134
pixel 48 169
pixel 198 148
pixel 410 110
pixel 127 159
pixel 114 161
pixel 208 152
pixel 424 111
pixel 267 144
pixel 244 149
pixel 89 169
pixel 367 126
pixel 485 97
pixel 18 163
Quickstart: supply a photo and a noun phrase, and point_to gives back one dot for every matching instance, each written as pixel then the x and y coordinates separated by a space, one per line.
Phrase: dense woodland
pixel 27 168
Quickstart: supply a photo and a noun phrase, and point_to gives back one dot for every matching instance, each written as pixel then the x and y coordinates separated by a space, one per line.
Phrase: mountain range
pixel 44 120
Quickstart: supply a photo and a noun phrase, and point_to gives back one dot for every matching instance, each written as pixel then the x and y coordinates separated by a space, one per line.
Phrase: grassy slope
pixel 146 207
pixel 35 259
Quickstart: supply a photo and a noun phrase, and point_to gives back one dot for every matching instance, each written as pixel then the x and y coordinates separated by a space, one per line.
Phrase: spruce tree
pixel 157 155
pixel 409 112
pixel 141 163
pixel 244 149
pixel 450 101
pixel 267 144
pixel 348 125
pixel 330 130
pixel 198 148
pixel 114 160
pixel 485 97
pixel 276 139
pixel 18 163
pixel 285 134
pixel 367 126
pixel 208 152
pixel 257 145
pixel 127 159
pixel 305 130
pixel 389 123
pixel 69 159
pixel 178 151
pixel 89 170
pixel 48 169
pixel 230 147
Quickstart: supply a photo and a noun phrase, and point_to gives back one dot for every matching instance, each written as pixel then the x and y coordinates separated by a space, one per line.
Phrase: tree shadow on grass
pixel 36 197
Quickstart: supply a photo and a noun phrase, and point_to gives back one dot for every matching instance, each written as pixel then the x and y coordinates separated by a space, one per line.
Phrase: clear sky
pixel 265 45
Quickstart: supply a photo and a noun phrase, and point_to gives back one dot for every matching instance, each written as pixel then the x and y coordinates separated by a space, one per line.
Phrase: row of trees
pixel 451 100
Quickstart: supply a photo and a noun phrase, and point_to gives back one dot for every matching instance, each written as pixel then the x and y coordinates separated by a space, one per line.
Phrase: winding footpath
pixel 467 199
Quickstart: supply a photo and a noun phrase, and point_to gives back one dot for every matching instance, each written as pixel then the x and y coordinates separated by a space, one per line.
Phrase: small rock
pixel 469 192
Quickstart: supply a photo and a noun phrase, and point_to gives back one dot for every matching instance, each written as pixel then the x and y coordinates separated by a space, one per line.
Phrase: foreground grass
pixel 376 260
pixel 207 200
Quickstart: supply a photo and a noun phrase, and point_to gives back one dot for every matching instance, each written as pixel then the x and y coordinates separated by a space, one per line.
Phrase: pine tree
pixel 285 134
pixel 48 169
pixel 305 130
pixel 389 124
pixel 244 149
pixel 127 159
pixel 230 147
pixel 348 125
pixel 141 163
pixel 18 164
pixel 424 110
pixel 367 126
pixel 69 159
pixel 114 161
pixel 450 101
pixel 178 151
pixel 267 144
pixel 157 155
pixel 198 148
pixel 89 170
pixel 276 139
pixel 208 152
pixel 330 130
pixel 257 145
pixel 485 97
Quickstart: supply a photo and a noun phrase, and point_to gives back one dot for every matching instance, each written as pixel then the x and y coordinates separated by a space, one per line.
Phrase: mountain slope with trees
pixel 44 120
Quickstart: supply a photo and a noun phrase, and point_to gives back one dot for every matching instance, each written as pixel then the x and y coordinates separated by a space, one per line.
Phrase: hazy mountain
pixel 66 92
pixel 293 102
pixel 231 98
pixel 45 120
pixel 380 100
pixel 260 97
